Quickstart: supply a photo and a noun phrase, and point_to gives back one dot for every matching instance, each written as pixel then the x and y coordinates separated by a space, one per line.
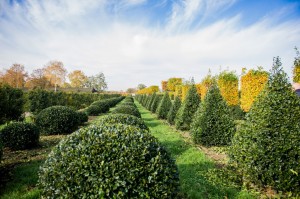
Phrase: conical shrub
pixel 173 110
pixel 150 101
pixel 266 147
pixel 212 124
pixel 186 112
pixel 164 106
pixel 155 103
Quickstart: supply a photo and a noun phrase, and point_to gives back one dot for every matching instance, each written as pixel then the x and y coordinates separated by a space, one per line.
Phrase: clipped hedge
pixel 93 110
pixel 82 117
pixel 20 135
pixel 57 120
pixel 212 124
pixel 109 161
pixel 266 148
pixel 123 119
pixel 131 110
pixel 155 103
pixel 11 103
pixel 103 105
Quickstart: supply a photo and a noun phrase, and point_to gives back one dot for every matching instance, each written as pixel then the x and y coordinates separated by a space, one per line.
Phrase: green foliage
pixel 123 119
pixel 82 117
pixel 93 110
pixel 266 147
pixel 187 110
pixel 20 135
pixel 1 150
pixel 131 110
pixel 57 120
pixel 40 99
pixel 103 106
pixel 109 161
pixel 150 100
pixel 11 103
pixel 173 110
pixel 212 124
pixel 164 106
pixel 155 103
pixel 236 112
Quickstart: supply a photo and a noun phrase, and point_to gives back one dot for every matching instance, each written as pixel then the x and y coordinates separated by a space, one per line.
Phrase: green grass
pixel 199 177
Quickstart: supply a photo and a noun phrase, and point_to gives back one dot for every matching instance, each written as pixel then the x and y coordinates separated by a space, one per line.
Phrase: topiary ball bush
pixel 20 135
pixel 93 110
pixel 103 105
pixel 82 117
pixel 57 120
pixel 127 110
pixel 109 161
pixel 123 119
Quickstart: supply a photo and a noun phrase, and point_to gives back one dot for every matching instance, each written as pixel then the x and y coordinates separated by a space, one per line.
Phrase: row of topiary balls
pixel 116 157
pixel 50 121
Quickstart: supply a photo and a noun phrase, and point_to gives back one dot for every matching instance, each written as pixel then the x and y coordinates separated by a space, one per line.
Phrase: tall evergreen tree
pixel 173 110
pixel 164 106
pixel 187 110
pixel 212 124
pixel 155 103
pixel 150 101
pixel 267 146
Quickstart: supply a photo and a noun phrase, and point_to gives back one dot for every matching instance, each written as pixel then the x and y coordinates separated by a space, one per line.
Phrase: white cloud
pixel 130 54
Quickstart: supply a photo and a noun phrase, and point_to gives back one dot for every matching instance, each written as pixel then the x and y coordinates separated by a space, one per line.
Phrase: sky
pixel 147 41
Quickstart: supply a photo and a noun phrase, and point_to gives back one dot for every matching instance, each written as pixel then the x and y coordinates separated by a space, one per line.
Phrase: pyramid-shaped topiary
pixel 164 106
pixel 173 110
pixel 187 110
pixel 267 146
pixel 155 103
pixel 212 124
pixel 150 101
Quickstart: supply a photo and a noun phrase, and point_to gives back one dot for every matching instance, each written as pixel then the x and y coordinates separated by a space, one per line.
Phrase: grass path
pixel 192 163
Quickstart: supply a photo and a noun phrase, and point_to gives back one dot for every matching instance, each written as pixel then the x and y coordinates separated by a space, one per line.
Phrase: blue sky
pixel 146 41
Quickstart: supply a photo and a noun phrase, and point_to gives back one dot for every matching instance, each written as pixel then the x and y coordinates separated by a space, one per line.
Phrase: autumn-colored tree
pixel 206 83
pixel 164 85
pixel 228 83
pixel 131 90
pixel 55 73
pixel 178 91
pixel 77 79
pixel 141 86
pixel 37 79
pixel 172 82
pixel 296 69
pixel 148 90
pixel 15 76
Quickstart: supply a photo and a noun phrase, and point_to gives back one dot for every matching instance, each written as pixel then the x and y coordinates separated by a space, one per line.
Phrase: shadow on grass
pixel 23 185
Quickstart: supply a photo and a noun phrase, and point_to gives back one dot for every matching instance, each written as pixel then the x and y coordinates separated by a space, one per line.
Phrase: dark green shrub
pixel 127 110
pixel 11 103
pixel 93 110
pixel 20 135
pixel 109 161
pixel 155 103
pixel 187 110
pixel 123 119
pixel 82 117
pixel 164 106
pixel 236 112
pixel 57 120
pixel 212 124
pixel 1 150
pixel 267 146
pixel 127 104
pixel 173 110
pixel 150 99
pixel 103 105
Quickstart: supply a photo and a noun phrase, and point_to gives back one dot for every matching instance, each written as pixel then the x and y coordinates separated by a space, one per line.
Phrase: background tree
pixel 131 90
pixel 296 69
pixel 55 73
pixel 37 79
pixel 97 82
pixel 164 85
pixel 15 76
pixel 141 86
pixel 172 82
pixel 77 79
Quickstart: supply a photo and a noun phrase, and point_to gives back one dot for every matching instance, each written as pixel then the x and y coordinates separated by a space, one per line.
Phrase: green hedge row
pixel 39 99
pixel 115 158
pixel 102 106
pixel 11 103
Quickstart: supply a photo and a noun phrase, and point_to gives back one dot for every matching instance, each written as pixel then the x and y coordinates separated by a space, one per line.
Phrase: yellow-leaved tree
pixel 77 79
pixel 228 83
pixel 55 73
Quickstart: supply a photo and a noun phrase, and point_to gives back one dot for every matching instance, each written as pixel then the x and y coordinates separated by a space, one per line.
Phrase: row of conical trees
pixel 265 148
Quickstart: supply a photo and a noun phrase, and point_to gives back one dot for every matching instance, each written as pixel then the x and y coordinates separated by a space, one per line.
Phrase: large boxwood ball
pixel 123 119
pixel 57 120
pixel 82 117
pixel 20 135
pixel 103 105
pixel 125 109
pixel 111 161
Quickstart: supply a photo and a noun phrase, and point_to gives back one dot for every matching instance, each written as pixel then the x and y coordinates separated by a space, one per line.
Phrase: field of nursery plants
pixel 206 140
